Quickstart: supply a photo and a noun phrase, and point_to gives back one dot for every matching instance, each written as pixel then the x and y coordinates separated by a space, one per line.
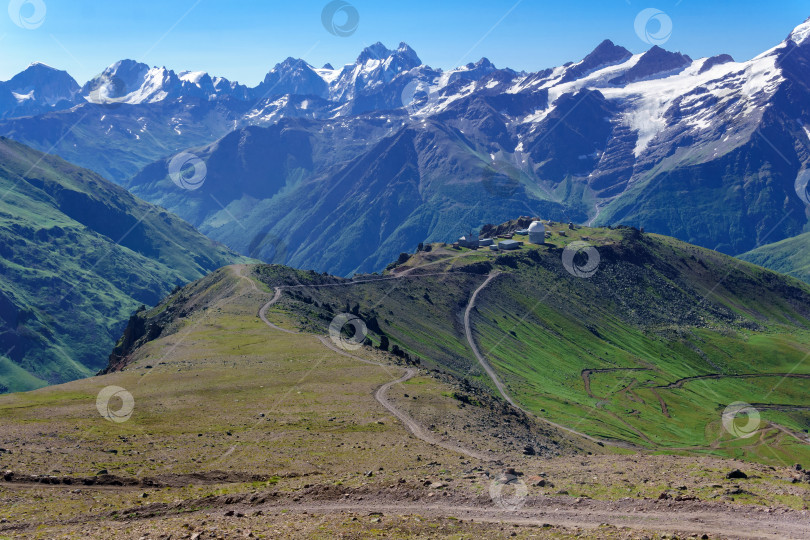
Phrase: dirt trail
pixel 700 518
pixel 417 430
pixel 380 395
pixel 586 376
pixel 680 382
pixel 502 389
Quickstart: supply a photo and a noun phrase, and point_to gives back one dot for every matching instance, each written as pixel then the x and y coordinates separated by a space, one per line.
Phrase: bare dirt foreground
pixel 407 511
pixel 241 432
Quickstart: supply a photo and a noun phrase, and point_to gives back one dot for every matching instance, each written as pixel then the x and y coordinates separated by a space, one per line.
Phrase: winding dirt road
pixel 500 386
pixel 381 394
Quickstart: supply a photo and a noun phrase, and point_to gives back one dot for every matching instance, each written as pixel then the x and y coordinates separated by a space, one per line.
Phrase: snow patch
pixel 800 33
pixel 194 77
pixel 21 98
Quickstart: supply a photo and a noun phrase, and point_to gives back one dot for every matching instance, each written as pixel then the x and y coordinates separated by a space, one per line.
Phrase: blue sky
pixel 243 40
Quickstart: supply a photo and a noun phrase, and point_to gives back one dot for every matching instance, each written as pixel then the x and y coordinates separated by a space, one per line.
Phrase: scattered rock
pixel 736 473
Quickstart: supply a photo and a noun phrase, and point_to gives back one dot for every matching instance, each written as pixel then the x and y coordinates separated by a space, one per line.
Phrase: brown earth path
pixel 381 394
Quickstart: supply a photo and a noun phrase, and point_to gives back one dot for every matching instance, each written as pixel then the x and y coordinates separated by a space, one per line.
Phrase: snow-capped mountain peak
pixel 43 85
pixel 132 82
pixel 375 66
pixel 292 76
pixel 377 51
pixel 800 34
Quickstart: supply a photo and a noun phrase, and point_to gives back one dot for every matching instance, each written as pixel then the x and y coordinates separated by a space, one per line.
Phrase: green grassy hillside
pixel 789 256
pixel 236 429
pixel 77 256
pixel 650 349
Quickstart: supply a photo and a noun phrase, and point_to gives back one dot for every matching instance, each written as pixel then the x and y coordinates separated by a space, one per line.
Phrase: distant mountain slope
pixel 307 194
pixel 117 140
pixel 77 256
pixel 790 256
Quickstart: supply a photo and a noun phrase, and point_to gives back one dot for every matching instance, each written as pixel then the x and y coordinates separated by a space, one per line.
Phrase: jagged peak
pixel 482 63
pixel 605 54
pixel 657 52
pixel 290 61
pixel 377 51
pixel 609 49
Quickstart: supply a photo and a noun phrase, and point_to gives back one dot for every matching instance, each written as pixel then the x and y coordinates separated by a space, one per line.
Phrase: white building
pixel 537 232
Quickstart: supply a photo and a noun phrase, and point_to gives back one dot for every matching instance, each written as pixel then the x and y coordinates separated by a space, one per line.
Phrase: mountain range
pixel 388 152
